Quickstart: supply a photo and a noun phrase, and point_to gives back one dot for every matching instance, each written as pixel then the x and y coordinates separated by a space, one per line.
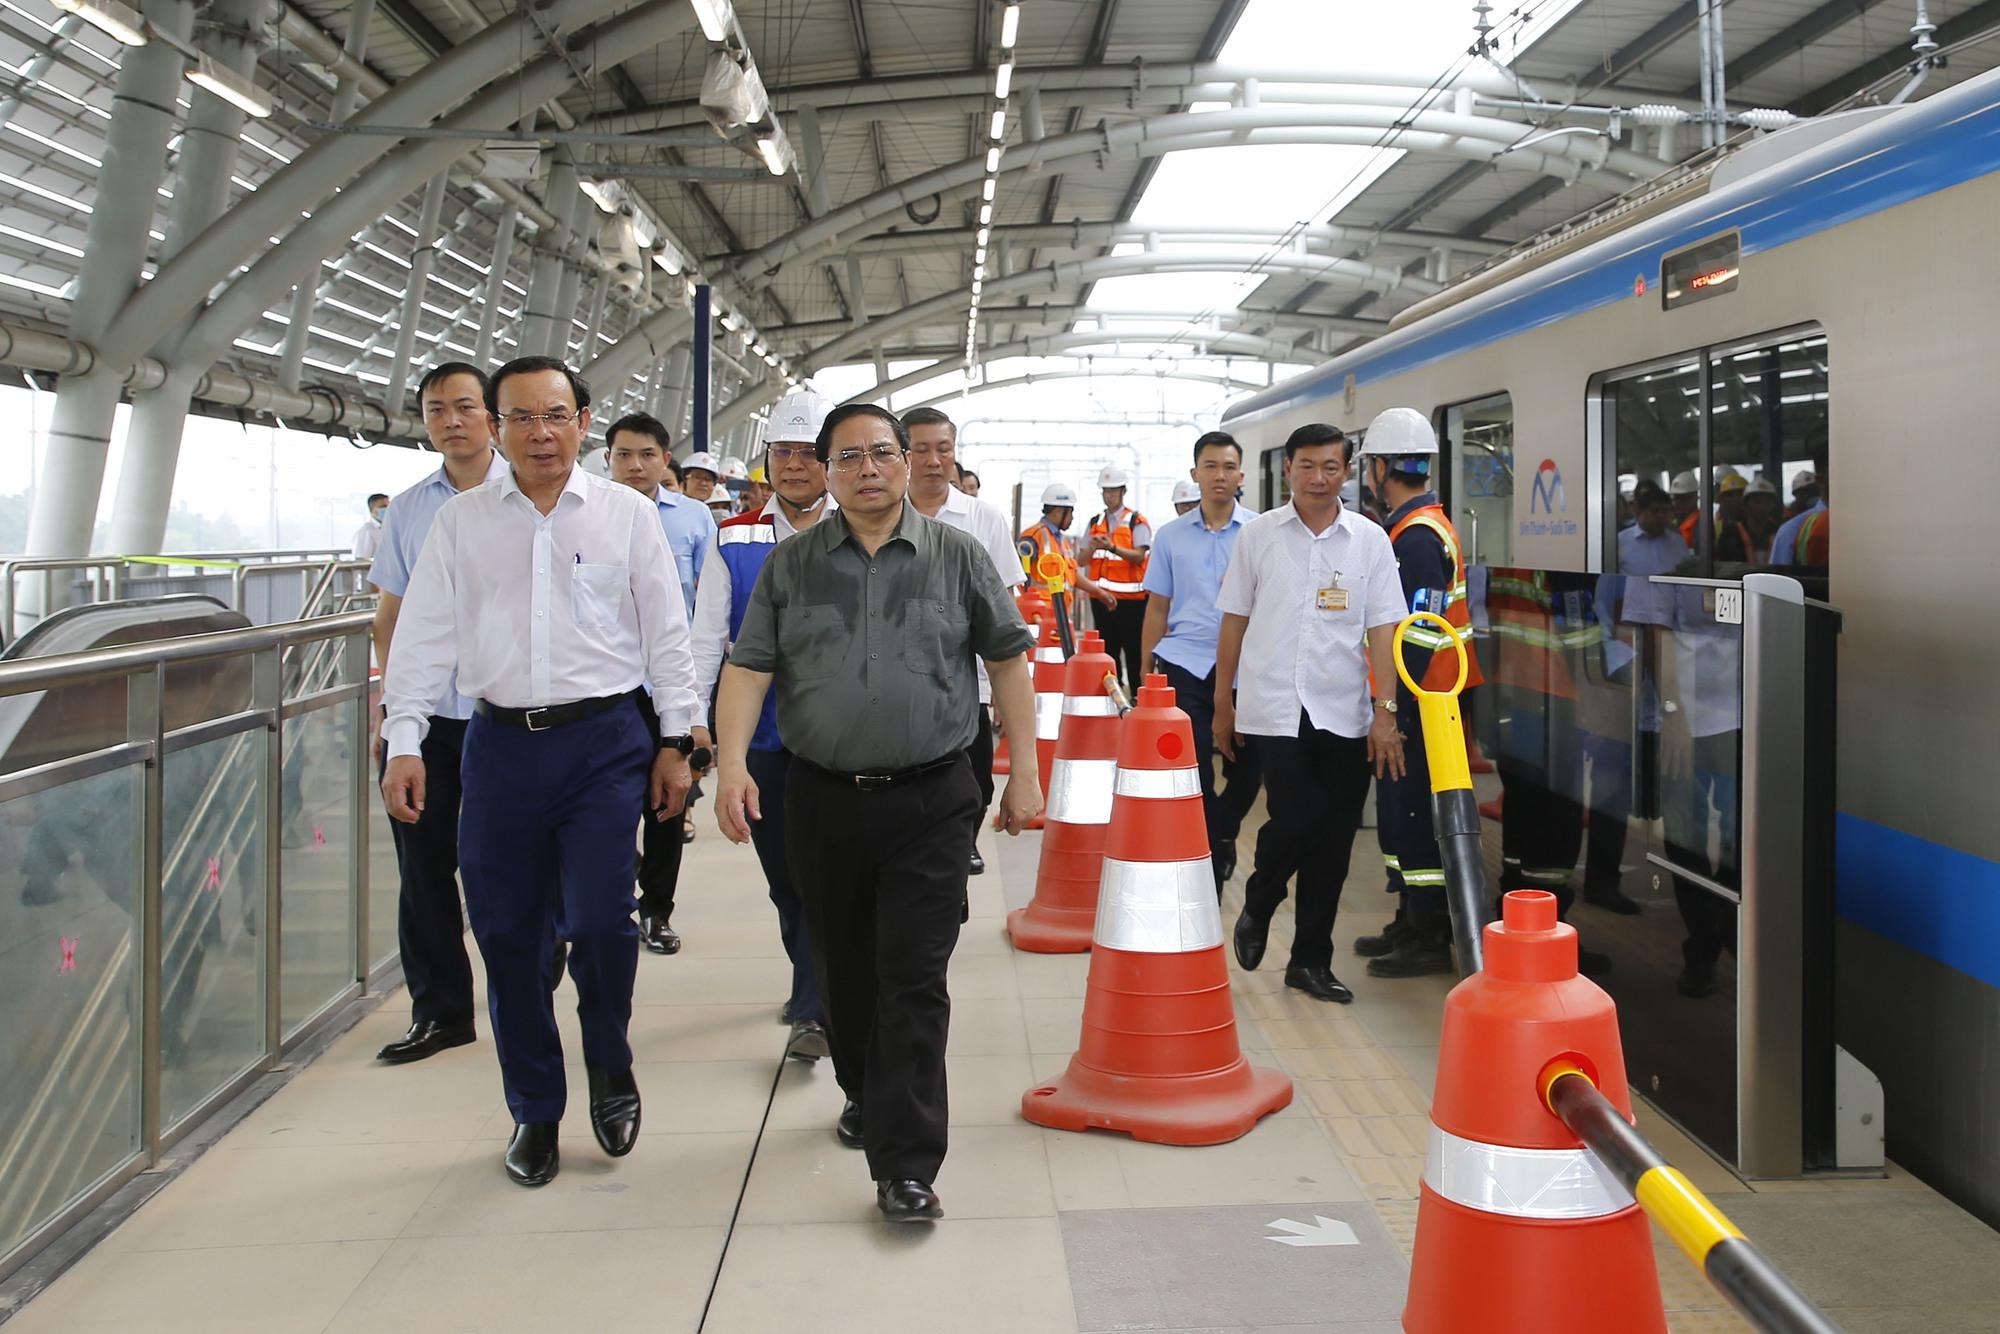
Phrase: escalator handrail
pixel 70 669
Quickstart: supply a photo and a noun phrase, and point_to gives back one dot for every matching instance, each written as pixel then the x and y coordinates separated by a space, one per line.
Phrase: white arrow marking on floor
pixel 1322 1231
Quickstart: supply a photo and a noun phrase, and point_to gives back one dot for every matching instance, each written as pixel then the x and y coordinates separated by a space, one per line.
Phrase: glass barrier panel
pixel 69 993
pixel 384 884
pixel 212 895
pixel 317 801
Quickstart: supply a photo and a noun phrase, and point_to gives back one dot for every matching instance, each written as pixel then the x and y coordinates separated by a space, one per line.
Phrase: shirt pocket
pixel 597 593
pixel 936 636
pixel 812 641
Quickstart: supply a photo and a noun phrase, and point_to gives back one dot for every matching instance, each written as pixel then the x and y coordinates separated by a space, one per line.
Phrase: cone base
pixel 1042 930
pixel 1212 1107
pixel 1503 1275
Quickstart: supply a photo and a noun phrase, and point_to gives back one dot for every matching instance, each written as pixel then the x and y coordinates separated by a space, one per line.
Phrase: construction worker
pixel 1809 501
pixel 1187 495
pixel 1397 455
pixel 1051 534
pixel 736 555
pixel 758 493
pixel 1118 541
pixel 699 473
pixel 1686 494
pixel 1747 541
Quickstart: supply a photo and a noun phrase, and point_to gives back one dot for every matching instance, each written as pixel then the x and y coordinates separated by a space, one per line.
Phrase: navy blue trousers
pixel 545 835
pixel 768 770
pixel 1407 829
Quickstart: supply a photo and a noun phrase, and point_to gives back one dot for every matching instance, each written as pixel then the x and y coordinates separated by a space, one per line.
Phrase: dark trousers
pixel 545 834
pixel 768 770
pixel 882 875
pixel 1712 786
pixel 980 755
pixel 1541 832
pixel 1224 810
pixel 1124 630
pixel 660 843
pixel 1315 785
pixel 1408 830
pixel 430 928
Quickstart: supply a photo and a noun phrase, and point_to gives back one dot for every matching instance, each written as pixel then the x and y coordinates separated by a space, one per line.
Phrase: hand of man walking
pixel 736 804
pixel 403 788
pixel 670 783
pixel 1020 803
pixel 1224 728
pixel 1385 746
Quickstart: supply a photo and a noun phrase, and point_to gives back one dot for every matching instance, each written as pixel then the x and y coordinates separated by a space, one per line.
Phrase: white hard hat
pixel 1805 480
pixel 1399 433
pixel 701 461
pixel 736 470
pixel 797 418
pixel 1112 476
pixel 1684 483
pixel 1056 495
pixel 1762 487
pixel 1186 491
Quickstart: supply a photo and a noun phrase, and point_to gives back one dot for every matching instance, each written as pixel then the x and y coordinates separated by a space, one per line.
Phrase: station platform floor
pixel 367 1198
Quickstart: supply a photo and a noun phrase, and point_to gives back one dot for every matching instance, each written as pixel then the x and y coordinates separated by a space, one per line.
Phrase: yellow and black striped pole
pixel 1454 808
pixel 1736 1268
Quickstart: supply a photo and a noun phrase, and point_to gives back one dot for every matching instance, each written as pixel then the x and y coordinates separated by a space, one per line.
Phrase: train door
pixel 1477 442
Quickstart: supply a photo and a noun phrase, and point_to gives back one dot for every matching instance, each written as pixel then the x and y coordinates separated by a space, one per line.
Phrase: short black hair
pixel 378 495
pixel 645 424
pixel 674 469
pixel 1209 439
pixel 916 417
pixel 964 473
pixel 823 446
pixel 1648 493
pixel 1313 434
pixel 444 370
pixel 579 387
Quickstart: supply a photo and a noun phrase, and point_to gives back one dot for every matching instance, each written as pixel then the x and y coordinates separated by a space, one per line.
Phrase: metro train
pixel 1826 300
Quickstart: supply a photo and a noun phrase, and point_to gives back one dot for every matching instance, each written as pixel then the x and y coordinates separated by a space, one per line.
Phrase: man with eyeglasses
pixel 867 626
pixel 1308 584
pixel 551 593
pixel 641 451
pixel 430 928
pixel 736 555
pixel 933 462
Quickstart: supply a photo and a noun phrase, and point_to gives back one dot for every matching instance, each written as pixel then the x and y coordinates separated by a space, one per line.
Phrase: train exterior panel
pixel 1882 241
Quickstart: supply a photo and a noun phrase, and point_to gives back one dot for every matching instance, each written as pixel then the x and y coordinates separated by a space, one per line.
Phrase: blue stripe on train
pixel 1938 901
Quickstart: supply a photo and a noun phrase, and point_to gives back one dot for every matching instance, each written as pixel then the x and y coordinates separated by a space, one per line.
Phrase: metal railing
pixel 341 580
pixel 166 887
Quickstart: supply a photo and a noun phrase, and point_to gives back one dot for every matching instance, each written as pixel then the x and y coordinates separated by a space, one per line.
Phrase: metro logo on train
pixel 1547 497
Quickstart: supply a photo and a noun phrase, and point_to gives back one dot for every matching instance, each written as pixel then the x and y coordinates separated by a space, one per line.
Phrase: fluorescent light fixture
pixel 1010 27
pixel 978 272
pixel 228 85
pixel 690 287
pixel 777 154
pixel 985 215
pixel 977 286
pixel 979 256
pixel 985 235
pixel 601 197
pixel 986 190
pixel 993 159
pixel 121 22
pixel 999 130
pixel 1003 78
pixel 714 16
pixel 731 321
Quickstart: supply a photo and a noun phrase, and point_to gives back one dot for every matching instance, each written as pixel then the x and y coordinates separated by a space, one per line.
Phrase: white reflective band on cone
pixel 1522 1183
pixel 1080 791
pixel 1052 654
pixel 1157 907
pixel 1048 715
pixel 1159 784
pixel 1089 706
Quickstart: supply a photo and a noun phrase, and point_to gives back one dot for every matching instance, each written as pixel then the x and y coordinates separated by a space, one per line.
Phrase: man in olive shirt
pixel 867 624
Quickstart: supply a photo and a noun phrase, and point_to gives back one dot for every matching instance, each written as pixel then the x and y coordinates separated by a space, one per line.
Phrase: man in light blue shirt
pixel 430 929
pixel 1183 577
pixel 1806 491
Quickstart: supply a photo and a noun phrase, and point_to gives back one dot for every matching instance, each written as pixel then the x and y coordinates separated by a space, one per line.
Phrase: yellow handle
pixel 1049 569
pixel 1457 643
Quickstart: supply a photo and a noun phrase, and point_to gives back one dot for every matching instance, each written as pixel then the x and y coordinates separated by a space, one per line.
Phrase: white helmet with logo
pixel 736 470
pixel 1684 483
pixel 797 418
pixel 1057 495
pixel 1186 491
pixel 1113 477
pixel 1399 433
pixel 701 461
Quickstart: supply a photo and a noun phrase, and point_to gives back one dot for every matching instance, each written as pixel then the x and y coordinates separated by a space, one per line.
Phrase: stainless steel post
pixel 144 711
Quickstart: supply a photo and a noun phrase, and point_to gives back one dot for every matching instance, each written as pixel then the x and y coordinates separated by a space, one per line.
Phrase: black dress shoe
pixel 426 1039
pixel 1319 983
pixel 1225 863
pixel 848 1128
pixel 785 1013
pixel 1413 958
pixel 1251 936
pixel 614 1109
pixel 808 1040
pixel 907 1201
pixel 532 1156
pixel 657 935
pixel 1611 899
pixel 687 831
pixel 1696 981
pixel 978 866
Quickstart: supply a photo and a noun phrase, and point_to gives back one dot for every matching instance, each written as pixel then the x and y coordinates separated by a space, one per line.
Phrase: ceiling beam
pixel 1968 23
pixel 421 30
pixel 1678 23
pixel 1527 197
pixel 1781 46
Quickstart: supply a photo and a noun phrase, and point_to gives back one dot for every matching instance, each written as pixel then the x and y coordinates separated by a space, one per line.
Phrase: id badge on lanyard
pixel 1333 597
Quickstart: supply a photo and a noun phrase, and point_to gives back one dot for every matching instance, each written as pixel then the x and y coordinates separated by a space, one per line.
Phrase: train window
pixel 1652 433
pixel 1477 440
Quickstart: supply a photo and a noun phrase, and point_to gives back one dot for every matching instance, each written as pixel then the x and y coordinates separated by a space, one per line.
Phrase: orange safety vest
pixel 1809 547
pixel 1532 642
pixel 1443 669
pixel 1120 577
pixel 1046 541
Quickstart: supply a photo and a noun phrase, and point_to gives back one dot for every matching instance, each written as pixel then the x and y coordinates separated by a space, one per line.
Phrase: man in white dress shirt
pixel 933 463
pixel 551 592
pixel 1308 585
pixel 368 537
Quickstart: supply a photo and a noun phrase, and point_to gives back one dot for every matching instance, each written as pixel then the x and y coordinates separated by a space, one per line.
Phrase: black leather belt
pixel 881 780
pixel 549 715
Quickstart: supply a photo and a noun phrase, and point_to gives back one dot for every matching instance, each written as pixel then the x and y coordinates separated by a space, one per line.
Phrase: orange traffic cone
pixel 1048 710
pixel 1079 808
pixel 1520 1230
pixel 1158 1058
